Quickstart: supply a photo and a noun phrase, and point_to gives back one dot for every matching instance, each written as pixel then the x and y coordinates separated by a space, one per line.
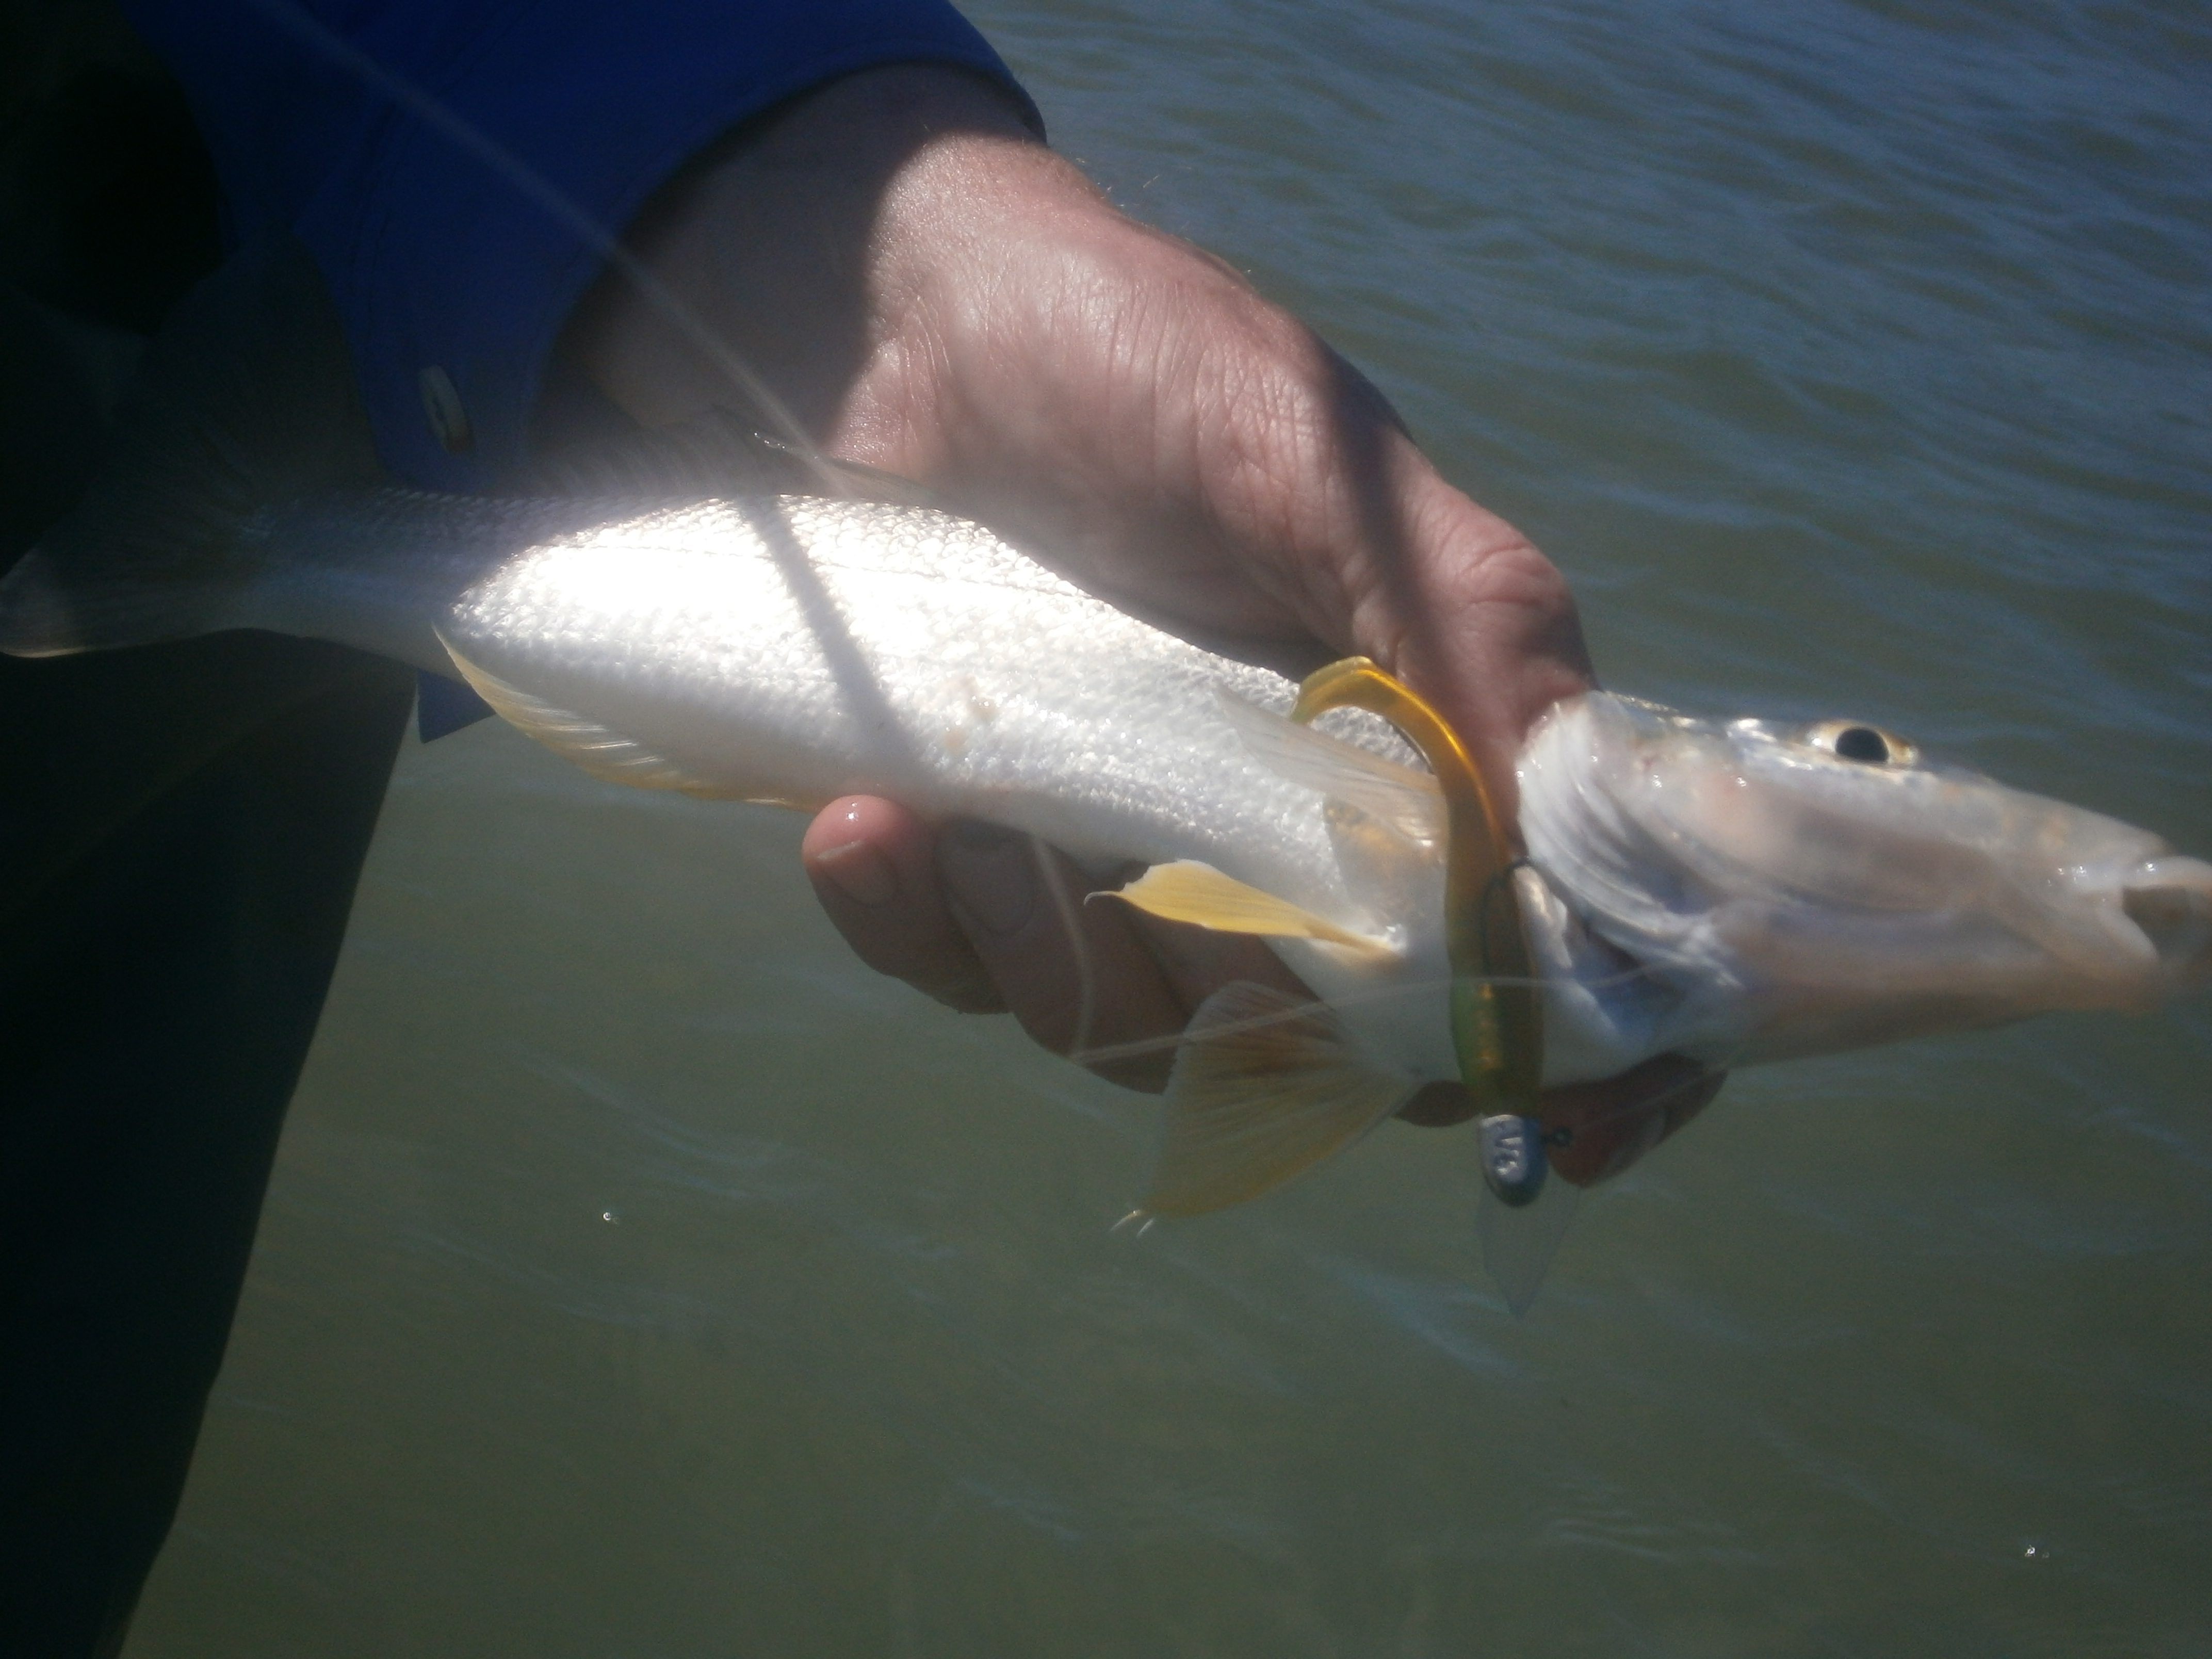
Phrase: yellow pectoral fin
pixel 1187 891
pixel 1264 1087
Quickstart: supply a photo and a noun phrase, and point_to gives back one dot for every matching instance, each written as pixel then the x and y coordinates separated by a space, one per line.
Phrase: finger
pixel 1476 619
pixel 1593 1131
pixel 1076 975
pixel 873 864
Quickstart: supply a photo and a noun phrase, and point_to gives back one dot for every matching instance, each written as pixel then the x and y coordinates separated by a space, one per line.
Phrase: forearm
pixel 802 241
pixel 933 291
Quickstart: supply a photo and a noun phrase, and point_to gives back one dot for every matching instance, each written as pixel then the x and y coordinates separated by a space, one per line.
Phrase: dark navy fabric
pixel 383 134
pixel 170 916
pixel 435 258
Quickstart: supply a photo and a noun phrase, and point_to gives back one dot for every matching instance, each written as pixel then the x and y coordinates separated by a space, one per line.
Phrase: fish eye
pixel 1862 742
pixel 1869 745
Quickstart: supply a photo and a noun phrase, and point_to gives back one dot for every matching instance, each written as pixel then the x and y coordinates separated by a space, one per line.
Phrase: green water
pixel 642 1277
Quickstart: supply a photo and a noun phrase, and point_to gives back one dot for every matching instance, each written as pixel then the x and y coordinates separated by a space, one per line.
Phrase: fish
pixel 1732 891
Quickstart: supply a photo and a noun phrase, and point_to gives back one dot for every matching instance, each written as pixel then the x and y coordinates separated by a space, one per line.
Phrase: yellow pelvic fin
pixel 1264 1087
pixel 1187 891
pixel 595 748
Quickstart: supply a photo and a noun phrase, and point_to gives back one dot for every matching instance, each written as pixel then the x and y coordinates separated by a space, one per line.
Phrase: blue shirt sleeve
pixel 454 278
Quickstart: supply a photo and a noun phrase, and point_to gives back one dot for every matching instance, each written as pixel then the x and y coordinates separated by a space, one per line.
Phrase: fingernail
pixel 861 873
pixel 990 876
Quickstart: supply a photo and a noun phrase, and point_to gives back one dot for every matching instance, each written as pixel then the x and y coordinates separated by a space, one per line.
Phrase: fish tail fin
pixel 246 398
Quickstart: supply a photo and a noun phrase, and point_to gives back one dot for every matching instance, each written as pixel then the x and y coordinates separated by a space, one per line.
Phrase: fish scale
pixel 799 649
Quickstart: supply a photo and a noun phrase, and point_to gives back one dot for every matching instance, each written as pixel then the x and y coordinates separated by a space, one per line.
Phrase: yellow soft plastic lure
pixel 1497 1020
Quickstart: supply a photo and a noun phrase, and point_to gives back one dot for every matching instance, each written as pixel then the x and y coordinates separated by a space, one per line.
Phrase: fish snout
pixel 2169 899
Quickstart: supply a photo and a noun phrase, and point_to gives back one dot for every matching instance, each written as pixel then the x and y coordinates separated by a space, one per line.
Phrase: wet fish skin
pixel 794 649
pixel 1730 890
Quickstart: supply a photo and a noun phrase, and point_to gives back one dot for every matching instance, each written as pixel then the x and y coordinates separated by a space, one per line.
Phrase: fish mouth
pixel 2169 899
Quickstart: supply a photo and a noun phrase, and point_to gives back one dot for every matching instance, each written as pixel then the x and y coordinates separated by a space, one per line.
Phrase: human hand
pixel 934 293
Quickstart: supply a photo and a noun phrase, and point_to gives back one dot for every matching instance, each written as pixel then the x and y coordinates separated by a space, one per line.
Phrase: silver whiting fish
pixel 1734 892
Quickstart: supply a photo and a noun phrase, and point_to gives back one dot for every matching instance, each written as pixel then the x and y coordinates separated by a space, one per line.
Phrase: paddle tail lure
pixel 1497 1018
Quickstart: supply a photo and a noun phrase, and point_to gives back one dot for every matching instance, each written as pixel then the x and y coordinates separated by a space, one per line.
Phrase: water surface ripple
pixel 641 1277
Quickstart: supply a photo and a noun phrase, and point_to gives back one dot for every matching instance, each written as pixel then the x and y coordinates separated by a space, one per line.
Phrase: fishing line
pixel 1071 918
pixel 1139 1047
pixel 536 188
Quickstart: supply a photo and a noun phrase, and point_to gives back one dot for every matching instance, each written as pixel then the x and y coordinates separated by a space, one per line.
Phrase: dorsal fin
pixel 595 748
pixel 1264 1087
pixel 1185 890
pixel 1400 797
pixel 584 742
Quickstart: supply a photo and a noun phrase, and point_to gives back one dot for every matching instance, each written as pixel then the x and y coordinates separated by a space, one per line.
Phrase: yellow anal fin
pixel 594 748
pixel 1264 1087
pixel 1187 891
